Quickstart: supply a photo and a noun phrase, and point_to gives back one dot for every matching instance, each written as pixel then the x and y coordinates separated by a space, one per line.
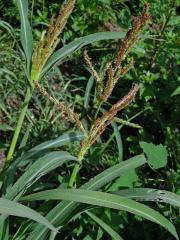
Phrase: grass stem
pixel 74 175
pixel 19 124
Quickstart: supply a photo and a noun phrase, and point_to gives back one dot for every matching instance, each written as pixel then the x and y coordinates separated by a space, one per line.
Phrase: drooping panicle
pixel 138 23
pixel 74 117
pixel 102 122
pixel 115 70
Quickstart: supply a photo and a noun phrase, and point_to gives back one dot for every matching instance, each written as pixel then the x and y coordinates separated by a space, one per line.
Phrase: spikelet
pixel 94 74
pixel 90 65
pixel 46 46
pixel 127 123
pixel 74 117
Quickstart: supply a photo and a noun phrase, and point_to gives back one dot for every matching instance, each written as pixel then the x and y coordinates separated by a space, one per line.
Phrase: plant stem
pixel 74 175
pixel 77 166
pixel 19 124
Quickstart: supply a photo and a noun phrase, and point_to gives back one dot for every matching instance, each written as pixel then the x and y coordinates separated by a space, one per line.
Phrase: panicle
pixel 46 46
pixel 74 117
pixel 101 123
pixel 94 74
pixel 130 39
pixel 138 23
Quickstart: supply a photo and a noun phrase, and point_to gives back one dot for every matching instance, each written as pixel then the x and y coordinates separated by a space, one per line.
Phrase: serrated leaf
pixel 157 155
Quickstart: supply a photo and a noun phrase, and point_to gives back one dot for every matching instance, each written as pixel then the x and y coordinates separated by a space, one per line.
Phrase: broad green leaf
pixel 107 200
pixel 176 92
pixel 41 149
pixel 113 172
pixel 8 207
pixel 26 31
pixel 77 44
pixel 62 212
pixel 150 194
pixel 126 180
pixel 156 154
pixel 60 141
pixel 105 226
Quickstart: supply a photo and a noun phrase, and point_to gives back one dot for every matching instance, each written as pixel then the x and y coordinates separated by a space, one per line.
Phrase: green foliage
pixel 11 208
pixel 156 154
pixel 45 152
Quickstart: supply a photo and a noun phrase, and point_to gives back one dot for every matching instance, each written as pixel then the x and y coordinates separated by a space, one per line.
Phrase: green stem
pixel 19 124
pixel 74 175
pixel 77 166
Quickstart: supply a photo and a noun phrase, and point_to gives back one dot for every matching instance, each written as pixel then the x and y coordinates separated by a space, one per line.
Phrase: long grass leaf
pixel 12 208
pixel 38 169
pixel 150 194
pixel 105 226
pixel 62 212
pixel 77 44
pixel 104 200
pixel 66 138
pixel 26 31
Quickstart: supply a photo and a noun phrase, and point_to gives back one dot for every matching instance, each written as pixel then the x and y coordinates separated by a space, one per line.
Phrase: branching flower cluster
pixel 114 70
pixel 46 46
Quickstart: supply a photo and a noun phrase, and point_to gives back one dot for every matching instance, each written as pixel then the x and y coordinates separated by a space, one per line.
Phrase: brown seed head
pixel 46 46
pixel 101 123
pixel 74 117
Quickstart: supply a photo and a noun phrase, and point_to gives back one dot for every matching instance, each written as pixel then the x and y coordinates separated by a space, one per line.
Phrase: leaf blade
pixel 26 31
pixel 105 226
pixel 151 194
pixel 16 209
pixel 104 200
pixel 63 210
pixel 76 45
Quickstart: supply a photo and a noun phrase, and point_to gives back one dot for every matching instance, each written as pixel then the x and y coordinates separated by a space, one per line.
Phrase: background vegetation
pixel 150 124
